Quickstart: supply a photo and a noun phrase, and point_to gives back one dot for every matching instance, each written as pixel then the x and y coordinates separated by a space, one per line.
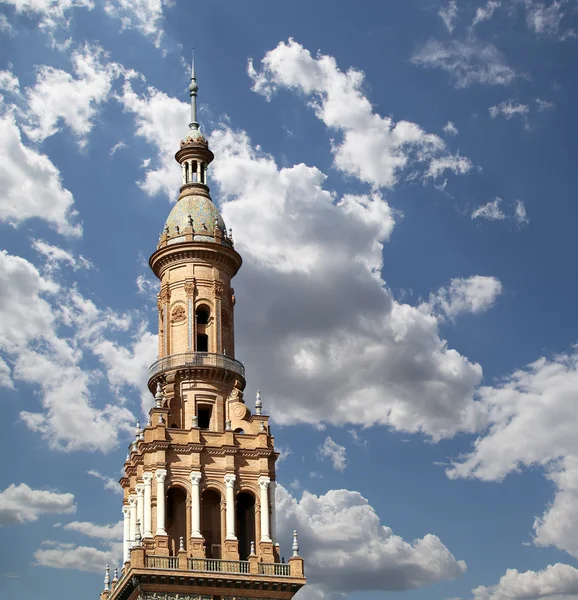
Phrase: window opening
pixel 204 414
pixel 203 315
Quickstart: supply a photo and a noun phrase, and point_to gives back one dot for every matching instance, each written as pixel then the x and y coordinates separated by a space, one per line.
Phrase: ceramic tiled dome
pixel 204 214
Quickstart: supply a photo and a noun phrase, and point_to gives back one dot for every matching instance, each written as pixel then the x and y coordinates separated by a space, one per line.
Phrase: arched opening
pixel 202 172
pixel 186 172
pixel 203 313
pixel 211 522
pixel 194 171
pixel 245 523
pixel 176 518
pixel 239 430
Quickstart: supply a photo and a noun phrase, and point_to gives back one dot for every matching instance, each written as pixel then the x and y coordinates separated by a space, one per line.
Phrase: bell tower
pixel 199 482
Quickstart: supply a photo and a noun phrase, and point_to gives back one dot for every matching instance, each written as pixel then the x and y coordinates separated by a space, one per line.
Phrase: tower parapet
pixel 199 482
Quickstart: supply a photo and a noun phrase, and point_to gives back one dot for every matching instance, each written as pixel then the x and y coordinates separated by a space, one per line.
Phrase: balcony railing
pixel 274 569
pixel 196 359
pixel 214 565
pixel 162 562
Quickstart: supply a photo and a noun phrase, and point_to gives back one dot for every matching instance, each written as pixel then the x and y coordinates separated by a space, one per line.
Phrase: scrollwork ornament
pixel 173 596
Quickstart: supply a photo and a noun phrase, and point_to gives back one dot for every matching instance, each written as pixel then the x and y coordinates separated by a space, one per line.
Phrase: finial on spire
pixel 193 89
pixel 295 546
pixel 258 403
pixel 107 579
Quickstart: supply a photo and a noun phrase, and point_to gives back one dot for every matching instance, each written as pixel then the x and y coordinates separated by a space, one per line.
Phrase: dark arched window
pixel 203 313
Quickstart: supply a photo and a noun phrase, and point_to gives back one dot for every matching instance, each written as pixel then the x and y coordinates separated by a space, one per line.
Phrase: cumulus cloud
pixel 5 375
pixel 70 556
pixel 334 452
pixel 111 533
pixel 346 548
pixel 520 214
pixel 473 295
pixel 467 62
pixel 34 311
pixel 21 168
pixel 373 148
pixel 404 375
pixel 61 97
pixel 448 14
pixel 558 581
pixel 532 419
pixel 22 504
pixel 161 120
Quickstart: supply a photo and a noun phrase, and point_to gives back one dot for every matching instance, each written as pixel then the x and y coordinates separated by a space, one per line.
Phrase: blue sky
pixel 399 178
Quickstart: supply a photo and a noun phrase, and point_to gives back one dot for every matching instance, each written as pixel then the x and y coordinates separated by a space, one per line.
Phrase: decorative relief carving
pixel 218 289
pixel 233 296
pixel 179 314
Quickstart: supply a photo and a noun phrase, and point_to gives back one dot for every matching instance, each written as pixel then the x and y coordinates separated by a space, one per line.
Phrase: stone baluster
pixel 195 505
pixel 147 523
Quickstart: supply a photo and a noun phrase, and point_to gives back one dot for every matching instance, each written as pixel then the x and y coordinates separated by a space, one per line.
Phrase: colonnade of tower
pixel 199 482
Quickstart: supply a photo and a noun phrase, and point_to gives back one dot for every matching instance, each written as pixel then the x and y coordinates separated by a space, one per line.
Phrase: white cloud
pixel 57 96
pixel 557 582
pixel 404 374
pixel 491 211
pixel 448 14
pixel 33 310
pixel 51 13
pixel 542 105
pixel 542 19
pixel 509 109
pixel 346 548
pixel 373 148
pixel 450 129
pixel 118 146
pixel 467 62
pixel 5 25
pixel 161 120
pixel 9 82
pixel 112 533
pixel 146 286
pixel 145 16
pixel 55 256
pixel 109 483
pixel 81 558
pixel 474 295
pixel 335 453
pixel 485 13
pixel 21 504
pixel 520 213
pixel 20 170
pixel 5 375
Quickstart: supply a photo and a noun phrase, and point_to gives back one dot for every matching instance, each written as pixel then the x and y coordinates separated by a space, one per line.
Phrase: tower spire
pixel 193 88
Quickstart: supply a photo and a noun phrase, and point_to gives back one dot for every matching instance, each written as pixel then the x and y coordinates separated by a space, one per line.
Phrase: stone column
pixel 191 320
pixel 161 475
pixel 133 518
pixel 272 488
pixel 264 485
pixel 140 505
pixel 199 171
pixel 126 534
pixel 218 334
pixel 230 514
pixel 195 505
pixel 147 525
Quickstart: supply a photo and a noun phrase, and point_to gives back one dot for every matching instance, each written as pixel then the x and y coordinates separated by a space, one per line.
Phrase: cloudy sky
pixel 399 178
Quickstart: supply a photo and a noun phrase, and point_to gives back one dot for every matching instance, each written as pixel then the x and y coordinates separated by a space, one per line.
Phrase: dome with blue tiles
pixel 194 136
pixel 204 215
